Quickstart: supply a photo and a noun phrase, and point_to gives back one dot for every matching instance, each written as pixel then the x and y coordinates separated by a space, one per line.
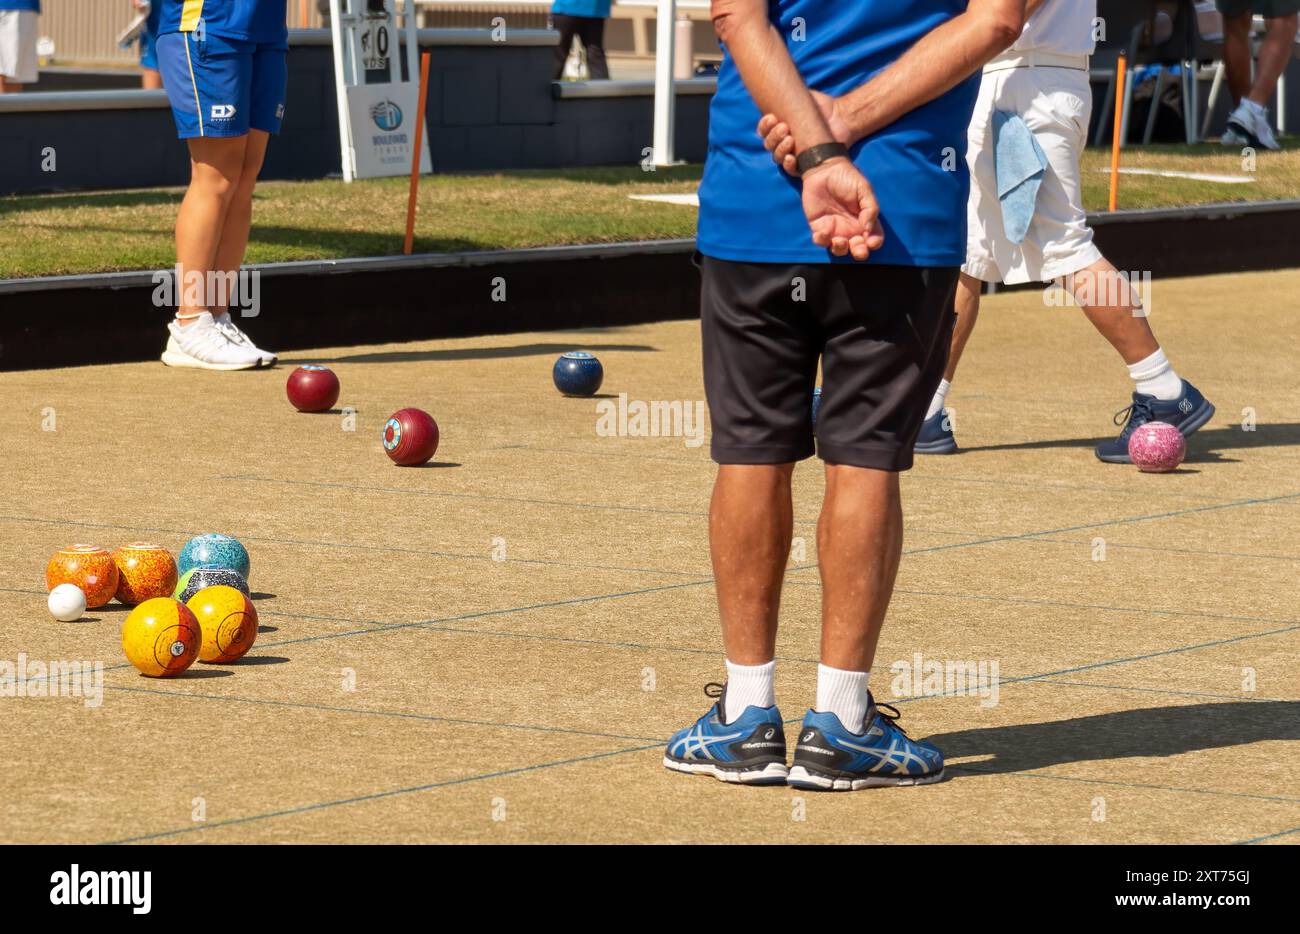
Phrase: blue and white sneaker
pixel 1187 413
pixel 749 751
pixel 936 435
pixel 829 757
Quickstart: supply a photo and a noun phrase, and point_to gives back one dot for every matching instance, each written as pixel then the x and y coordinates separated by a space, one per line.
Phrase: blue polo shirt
pixel 260 21
pixel 750 209
pixel 593 8
pixel 28 6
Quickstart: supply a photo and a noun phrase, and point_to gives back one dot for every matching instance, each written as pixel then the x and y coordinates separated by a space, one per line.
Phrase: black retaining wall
pixel 109 318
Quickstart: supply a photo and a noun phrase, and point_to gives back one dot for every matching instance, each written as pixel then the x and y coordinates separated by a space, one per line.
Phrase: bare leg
pixel 751 520
pixel 239 213
pixel 215 169
pixel 1109 303
pixel 1237 54
pixel 1274 55
pixel 859 543
pixel 968 312
pixel 9 87
pixel 151 79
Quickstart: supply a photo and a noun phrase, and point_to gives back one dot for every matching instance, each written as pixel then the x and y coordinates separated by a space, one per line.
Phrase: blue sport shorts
pixel 222 87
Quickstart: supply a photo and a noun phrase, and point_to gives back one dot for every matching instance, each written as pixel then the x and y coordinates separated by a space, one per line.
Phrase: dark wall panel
pixel 489 108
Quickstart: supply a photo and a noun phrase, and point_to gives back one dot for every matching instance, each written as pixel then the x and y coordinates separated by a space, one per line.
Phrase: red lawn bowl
pixel 410 437
pixel 313 388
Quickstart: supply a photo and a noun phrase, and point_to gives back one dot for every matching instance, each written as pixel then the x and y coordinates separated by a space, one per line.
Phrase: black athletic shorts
pixel 881 332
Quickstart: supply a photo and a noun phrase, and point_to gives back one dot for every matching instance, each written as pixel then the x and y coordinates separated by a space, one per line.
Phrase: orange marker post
pixel 1121 76
pixel 415 155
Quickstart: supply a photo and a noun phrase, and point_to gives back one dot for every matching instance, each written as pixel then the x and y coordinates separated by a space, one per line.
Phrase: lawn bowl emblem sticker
pixel 387 115
pixel 177 649
pixel 392 434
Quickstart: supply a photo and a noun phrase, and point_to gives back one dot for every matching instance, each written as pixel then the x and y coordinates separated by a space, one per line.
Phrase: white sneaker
pixel 1232 138
pixel 205 346
pixel 227 324
pixel 1251 121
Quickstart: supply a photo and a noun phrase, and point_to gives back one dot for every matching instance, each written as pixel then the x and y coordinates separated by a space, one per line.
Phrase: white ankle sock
pixel 749 686
pixel 843 693
pixel 1155 377
pixel 940 395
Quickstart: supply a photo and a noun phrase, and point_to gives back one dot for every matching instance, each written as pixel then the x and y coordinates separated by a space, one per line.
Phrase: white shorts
pixel 1056 105
pixel 18 46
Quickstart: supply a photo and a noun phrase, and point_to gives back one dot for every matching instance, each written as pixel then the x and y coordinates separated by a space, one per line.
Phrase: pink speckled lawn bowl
pixel 1157 447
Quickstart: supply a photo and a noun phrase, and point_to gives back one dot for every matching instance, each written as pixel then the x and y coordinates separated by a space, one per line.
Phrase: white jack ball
pixel 67 603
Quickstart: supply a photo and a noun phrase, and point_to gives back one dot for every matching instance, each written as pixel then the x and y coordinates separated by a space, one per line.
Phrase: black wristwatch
pixel 814 156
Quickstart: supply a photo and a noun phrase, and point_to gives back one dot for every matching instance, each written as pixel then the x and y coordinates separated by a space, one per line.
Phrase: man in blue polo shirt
pixel 827 266
pixel 223 66
pixel 18 43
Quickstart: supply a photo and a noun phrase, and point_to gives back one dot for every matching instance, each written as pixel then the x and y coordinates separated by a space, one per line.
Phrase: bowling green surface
pixel 494 647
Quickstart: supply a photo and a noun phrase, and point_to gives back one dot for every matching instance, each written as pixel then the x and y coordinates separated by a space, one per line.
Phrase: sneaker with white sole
pixel 831 757
pixel 748 751
pixel 227 324
pixel 1232 138
pixel 1251 121
pixel 203 345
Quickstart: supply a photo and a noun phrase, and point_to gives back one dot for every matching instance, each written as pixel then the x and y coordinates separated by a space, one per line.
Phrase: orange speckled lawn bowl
pixel 144 571
pixel 89 567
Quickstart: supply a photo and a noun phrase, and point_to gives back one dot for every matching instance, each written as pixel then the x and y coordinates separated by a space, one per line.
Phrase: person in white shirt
pixel 1038 231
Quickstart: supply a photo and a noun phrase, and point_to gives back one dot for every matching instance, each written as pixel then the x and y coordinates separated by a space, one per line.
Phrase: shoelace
pixel 212 340
pixel 233 334
pixel 891 716
pixel 213 337
pixel 1136 413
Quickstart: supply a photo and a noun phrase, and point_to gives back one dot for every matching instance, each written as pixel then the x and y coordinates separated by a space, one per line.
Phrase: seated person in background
pixel 1248 124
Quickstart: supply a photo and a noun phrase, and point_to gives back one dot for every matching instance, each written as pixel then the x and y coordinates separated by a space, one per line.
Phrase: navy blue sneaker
pixel 1187 413
pixel 829 757
pixel 936 435
pixel 749 751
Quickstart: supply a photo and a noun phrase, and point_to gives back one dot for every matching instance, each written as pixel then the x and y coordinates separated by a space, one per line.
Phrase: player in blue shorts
pixel 223 65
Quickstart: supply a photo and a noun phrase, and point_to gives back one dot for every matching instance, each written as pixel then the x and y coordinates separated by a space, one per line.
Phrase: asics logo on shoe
pixel 896 755
pixel 695 743
pixel 1185 406
pixel 769 734
pixel 807 737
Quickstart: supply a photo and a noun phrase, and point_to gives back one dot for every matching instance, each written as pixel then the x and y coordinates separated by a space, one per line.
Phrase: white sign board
pixel 383 129
pixel 377 113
